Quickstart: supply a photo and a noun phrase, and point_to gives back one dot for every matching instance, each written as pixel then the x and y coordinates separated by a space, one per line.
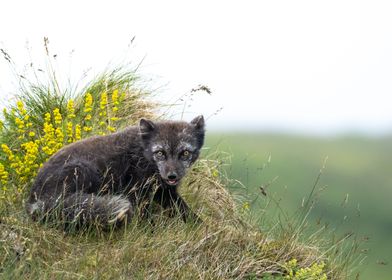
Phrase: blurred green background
pixel 357 177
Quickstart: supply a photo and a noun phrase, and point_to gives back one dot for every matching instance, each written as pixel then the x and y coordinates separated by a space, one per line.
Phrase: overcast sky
pixel 304 66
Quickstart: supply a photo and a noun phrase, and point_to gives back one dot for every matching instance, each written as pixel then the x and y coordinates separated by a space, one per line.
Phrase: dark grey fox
pixel 106 180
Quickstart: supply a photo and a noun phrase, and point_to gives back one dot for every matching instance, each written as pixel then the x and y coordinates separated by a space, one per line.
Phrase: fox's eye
pixel 185 155
pixel 159 155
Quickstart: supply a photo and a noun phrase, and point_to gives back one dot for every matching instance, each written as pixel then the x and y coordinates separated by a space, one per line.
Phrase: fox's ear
pixel 199 131
pixel 198 122
pixel 146 127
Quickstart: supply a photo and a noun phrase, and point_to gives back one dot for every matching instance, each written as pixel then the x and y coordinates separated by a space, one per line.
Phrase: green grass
pixel 357 180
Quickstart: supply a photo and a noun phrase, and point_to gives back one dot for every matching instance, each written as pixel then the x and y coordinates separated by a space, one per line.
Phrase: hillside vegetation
pixel 231 243
pixel 356 180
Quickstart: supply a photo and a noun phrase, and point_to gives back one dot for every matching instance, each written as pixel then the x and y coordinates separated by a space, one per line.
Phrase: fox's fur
pixel 108 179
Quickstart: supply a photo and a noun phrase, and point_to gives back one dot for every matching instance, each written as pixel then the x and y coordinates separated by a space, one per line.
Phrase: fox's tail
pixel 81 209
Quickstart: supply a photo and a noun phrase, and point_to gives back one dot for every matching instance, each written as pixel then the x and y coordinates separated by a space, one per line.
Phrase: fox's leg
pixel 169 198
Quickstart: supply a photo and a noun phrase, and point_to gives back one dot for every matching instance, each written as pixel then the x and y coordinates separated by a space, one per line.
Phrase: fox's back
pixel 119 153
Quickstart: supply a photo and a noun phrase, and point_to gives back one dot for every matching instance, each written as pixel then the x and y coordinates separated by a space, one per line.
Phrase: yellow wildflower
pixel 88 103
pixel 47 117
pixel 78 132
pixel 103 103
pixel 314 272
pixel 104 100
pixel 87 128
pixel 88 106
pixel 48 128
pixel 15 162
pixel 3 175
pixel 111 128
pixel 70 109
pixel 31 134
pixel 115 97
pixel 21 108
pixel 20 123
pixel 7 151
pixel 69 132
pixel 57 116
pixel 49 136
pixel 28 166
pixel 115 100
pixel 59 138
pixel 246 206
pixel 292 263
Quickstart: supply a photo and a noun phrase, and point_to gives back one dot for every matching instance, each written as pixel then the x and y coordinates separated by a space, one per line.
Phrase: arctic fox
pixel 106 180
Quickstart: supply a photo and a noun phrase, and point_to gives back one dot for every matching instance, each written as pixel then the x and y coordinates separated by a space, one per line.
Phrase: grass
pixel 356 181
pixel 233 242
pixel 222 247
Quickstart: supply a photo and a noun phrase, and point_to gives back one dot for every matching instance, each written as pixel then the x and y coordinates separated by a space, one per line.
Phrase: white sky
pixel 303 66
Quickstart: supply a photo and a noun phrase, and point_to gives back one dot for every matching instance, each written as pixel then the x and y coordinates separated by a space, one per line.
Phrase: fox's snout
pixel 171 174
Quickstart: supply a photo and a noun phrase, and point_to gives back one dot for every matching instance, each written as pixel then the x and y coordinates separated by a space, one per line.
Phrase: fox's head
pixel 172 145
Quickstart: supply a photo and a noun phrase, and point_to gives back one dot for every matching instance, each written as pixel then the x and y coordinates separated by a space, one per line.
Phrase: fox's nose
pixel 172 176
